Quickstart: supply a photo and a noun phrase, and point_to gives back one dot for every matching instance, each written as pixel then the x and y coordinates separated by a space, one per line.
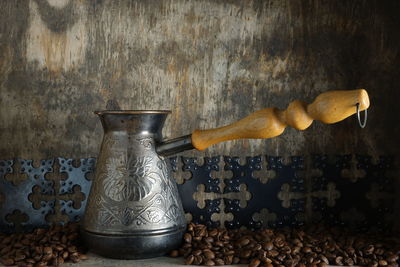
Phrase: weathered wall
pixel 210 62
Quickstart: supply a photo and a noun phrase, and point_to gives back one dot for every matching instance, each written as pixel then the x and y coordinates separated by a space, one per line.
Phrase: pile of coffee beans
pixel 314 246
pixel 42 247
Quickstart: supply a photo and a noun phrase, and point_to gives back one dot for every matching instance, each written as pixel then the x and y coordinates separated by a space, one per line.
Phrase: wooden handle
pixel 329 107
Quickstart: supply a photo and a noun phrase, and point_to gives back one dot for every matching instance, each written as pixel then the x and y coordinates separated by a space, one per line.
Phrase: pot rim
pixel 133 112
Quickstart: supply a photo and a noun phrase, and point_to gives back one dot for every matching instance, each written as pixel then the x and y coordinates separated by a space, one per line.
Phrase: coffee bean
pixel 324 259
pixel 213 232
pixel 47 250
pixel 30 260
pixel 41 264
pixel 7 261
pixel 72 249
pixel 257 247
pixel 349 262
pixel 57 261
pixel 282 247
pixel 74 258
pixel 228 259
pixel 187 237
pixel 254 263
pixel 209 239
pixel 37 258
pixel 19 257
pixel 393 258
pixel 197 260
pixel 235 260
pixel 244 242
pixel 47 257
pixel 209 263
pixel 83 257
pixel 245 254
pixel 7 240
pixel 382 263
pixel 72 236
pixel 208 254
pixel 65 254
pixel 219 261
pixel 273 253
pixel 339 260
pixel 189 260
pixel 5 250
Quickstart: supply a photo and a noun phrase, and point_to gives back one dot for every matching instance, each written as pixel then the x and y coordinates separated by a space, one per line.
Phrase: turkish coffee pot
pixel 134 210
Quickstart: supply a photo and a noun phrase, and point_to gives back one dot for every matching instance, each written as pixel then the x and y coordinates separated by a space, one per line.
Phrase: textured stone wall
pixel 210 62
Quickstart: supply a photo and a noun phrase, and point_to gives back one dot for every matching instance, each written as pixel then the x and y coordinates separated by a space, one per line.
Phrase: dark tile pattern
pixel 261 191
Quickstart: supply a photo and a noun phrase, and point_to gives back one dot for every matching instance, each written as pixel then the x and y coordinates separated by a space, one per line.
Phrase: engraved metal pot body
pixel 134 209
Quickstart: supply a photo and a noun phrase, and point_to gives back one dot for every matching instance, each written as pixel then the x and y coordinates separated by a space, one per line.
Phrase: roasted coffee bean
pixel 19 257
pixel 392 258
pixel 37 258
pixel 245 254
pixel 41 247
pixel 339 260
pixel 5 250
pixel 208 254
pixel 189 260
pixel 313 247
pixel 197 260
pixel 47 257
pixel 7 261
pixel 273 253
pixel 228 259
pixel 209 263
pixel 324 259
pixel 219 261
pixel 349 261
pixel 244 242
pixel 187 237
pixel 382 263
pixel 72 236
pixel 57 261
pixel 41 264
pixel 213 232
pixel 83 257
pixel 47 250
pixel 254 263
pixel 74 258
pixel 209 239
pixel 72 249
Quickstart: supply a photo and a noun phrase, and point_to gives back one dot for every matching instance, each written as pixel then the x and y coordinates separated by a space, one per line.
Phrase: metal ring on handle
pixel 362 125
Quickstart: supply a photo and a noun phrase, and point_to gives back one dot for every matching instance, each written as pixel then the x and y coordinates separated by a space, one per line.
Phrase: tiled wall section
pixel 254 192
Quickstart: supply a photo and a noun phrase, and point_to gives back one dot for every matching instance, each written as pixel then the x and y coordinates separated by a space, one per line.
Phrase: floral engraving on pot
pixel 129 178
pixel 161 208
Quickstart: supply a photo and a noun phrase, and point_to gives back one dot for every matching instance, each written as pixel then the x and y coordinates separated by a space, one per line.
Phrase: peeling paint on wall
pixel 210 62
pixel 53 45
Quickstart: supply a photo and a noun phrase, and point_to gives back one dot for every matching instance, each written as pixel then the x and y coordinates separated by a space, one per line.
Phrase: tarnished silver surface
pixel 134 192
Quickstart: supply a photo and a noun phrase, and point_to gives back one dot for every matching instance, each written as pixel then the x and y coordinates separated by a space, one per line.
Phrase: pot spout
pixel 174 146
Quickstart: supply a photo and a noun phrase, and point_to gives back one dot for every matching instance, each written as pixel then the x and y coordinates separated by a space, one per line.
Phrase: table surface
pixel 98 261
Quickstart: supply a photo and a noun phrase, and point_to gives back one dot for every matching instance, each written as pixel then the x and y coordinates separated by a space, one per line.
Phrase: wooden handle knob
pixel 329 107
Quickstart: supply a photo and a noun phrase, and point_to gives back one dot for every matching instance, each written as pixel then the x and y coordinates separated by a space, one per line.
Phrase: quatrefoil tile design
pixel 201 180
pixel 38 199
pixel 370 196
pixel 232 192
pixel 263 195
